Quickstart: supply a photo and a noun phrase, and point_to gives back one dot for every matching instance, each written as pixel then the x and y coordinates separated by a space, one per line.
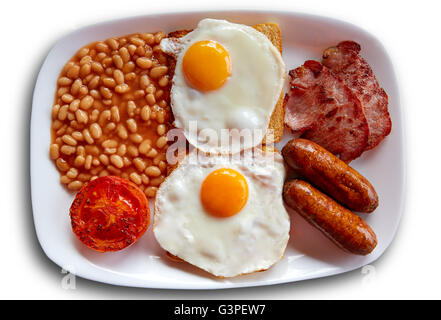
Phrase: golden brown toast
pixel 272 32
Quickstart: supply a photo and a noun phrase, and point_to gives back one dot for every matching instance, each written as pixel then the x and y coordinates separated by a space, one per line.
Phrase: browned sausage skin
pixel 330 174
pixel 342 226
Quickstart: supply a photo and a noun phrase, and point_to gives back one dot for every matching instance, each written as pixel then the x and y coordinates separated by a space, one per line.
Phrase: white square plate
pixel 309 254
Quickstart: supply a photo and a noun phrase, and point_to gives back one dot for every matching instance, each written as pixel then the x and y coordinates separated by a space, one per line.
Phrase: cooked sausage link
pixel 330 174
pixel 342 226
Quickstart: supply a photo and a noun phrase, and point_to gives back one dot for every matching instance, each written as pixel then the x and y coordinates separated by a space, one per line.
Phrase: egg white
pixel 245 101
pixel 252 240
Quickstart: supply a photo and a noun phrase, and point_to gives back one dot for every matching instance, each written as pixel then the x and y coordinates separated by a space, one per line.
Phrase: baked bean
pixel 128 67
pixel 150 88
pixel 122 149
pixel 144 63
pixel 81 116
pixel 95 130
pixel 139 164
pixel 145 113
pixel 145 179
pixel 109 82
pixel 94 82
pixel 118 61
pixel 163 81
pixel 86 102
pixel 150 191
pixel 84 177
pixel 57 124
pixel 114 111
pixel 109 143
pixel 95 162
pixel 132 151
pixel 67 150
pixel 62 113
pixel 122 88
pixel 122 132
pixel 82 91
pixel 157 181
pixel 79 161
pixel 87 136
pixel 144 81
pixel 161 142
pixel 157 72
pixel 113 170
pixel 85 70
pixel 81 151
pixel 136 138
pixel 62 165
pixel 103 173
pixel 55 109
pixel 61 131
pixel 148 37
pixel 161 129
pixel 67 139
pixel 62 91
pixel 129 76
pixel 118 76
pixel 152 171
pixel 97 67
pixel 85 60
pixel 105 92
pixel 110 127
pixel 158 158
pixel 152 153
pixel 65 180
pixel 72 173
pixel 160 117
pixel 64 81
pixel 139 94
pixel 104 159
pixel 113 43
pixel 82 52
pixel 136 178
pixel 94 115
pixel 75 185
pixel 162 165
pixel 150 98
pixel 77 136
pixel 88 162
pixel 74 105
pixel 104 117
pixel 131 125
pixel 73 72
pixel 124 53
pixel 54 151
pixel 117 161
pixel 131 106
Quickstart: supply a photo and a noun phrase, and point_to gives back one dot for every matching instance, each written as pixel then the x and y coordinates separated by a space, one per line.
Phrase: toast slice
pixel 273 33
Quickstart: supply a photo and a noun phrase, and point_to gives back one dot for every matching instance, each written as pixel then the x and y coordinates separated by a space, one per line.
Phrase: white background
pixel 409 30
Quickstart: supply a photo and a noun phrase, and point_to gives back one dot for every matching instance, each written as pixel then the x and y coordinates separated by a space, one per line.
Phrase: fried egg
pixel 227 77
pixel 224 214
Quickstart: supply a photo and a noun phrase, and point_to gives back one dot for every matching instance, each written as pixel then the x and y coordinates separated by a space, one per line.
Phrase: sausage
pixel 331 175
pixel 347 230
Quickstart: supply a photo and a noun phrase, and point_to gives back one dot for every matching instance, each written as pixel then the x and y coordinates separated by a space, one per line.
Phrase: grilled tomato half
pixel 109 214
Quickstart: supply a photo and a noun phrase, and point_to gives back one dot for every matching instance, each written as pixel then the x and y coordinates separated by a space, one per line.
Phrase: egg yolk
pixel 224 192
pixel 206 65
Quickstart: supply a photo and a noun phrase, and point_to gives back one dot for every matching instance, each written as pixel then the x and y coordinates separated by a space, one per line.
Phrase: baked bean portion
pixel 111 113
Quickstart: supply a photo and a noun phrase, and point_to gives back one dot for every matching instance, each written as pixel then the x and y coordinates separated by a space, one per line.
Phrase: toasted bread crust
pixel 273 33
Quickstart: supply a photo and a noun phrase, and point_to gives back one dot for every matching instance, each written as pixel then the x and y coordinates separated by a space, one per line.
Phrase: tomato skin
pixel 109 214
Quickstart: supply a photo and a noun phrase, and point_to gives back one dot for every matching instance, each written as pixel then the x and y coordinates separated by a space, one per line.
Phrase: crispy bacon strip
pixel 346 63
pixel 322 109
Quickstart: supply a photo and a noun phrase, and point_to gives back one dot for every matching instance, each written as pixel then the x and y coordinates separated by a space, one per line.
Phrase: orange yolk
pixel 206 65
pixel 224 192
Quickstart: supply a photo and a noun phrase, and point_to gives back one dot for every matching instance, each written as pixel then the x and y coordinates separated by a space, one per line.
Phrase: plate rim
pixel 224 285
